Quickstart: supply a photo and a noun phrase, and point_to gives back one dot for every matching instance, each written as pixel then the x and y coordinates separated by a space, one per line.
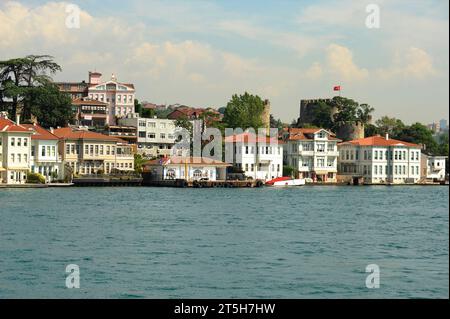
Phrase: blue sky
pixel 201 52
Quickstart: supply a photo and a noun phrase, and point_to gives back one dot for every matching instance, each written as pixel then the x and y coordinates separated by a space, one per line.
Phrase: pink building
pixel 118 96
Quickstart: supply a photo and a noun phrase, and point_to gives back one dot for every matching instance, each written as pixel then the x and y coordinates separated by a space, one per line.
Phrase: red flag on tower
pixel 337 88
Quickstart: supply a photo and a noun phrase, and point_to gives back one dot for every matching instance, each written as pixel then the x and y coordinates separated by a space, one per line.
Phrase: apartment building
pixel 15 142
pixel 155 137
pixel 84 152
pixel 90 113
pixel 312 152
pixel 380 160
pixel 259 157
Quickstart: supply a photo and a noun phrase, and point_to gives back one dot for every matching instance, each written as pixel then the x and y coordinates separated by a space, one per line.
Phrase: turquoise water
pixel 310 242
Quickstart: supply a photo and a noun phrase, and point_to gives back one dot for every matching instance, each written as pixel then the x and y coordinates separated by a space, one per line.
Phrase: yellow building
pixel 88 152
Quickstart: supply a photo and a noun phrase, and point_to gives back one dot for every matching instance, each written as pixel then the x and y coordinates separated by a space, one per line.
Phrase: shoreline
pixel 71 185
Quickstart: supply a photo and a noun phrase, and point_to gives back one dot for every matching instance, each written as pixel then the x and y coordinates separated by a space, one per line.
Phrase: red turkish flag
pixel 337 88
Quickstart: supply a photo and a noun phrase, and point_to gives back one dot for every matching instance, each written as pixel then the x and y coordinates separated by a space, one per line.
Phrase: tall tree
pixel 19 77
pixel 51 107
pixel 244 111
pixel 390 125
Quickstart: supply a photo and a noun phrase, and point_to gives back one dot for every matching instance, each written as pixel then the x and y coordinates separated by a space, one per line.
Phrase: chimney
pixel 52 130
pixel 18 119
pixel 387 136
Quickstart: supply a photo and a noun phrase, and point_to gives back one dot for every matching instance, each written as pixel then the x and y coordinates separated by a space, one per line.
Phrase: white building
pixel 15 148
pixel 258 157
pixel 313 152
pixel 44 155
pixel 187 168
pixel 380 160
pixel 155 137
pixel 436 167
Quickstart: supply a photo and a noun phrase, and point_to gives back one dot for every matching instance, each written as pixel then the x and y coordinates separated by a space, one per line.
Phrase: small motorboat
pixel 286 181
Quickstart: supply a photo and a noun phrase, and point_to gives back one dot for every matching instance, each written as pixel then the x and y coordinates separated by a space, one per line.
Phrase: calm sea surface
pixel 310 242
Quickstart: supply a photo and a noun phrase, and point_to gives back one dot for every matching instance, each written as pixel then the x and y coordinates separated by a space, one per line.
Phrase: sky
pixel 200 53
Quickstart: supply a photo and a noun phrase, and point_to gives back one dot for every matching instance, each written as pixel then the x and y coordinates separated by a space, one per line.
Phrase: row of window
pixel 391 170
pixel 153 135
pixel 19 158
pixel 153 124
pixel 380 155
pixel 120 98
pixel 251 167
pixel 263 150
pixel 45 151
pixel 19 141
pixel 44 170
pixel 309 147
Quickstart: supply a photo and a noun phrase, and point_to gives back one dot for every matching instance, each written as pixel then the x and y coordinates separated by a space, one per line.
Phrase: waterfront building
pixel 44 153
pixel 84 152
pixel 312 152
pixel 15 148
pixel 436 168
pixel 155 137
pixel 118 96
pixel 259 157
pixel 380 160
pixel 187 168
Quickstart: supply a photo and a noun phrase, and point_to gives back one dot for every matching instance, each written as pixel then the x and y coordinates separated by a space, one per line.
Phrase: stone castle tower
pixel 265 117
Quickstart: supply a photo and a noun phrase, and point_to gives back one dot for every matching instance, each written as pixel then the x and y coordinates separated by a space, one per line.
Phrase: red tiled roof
pixel 9 126
pixel 68 133
pixel 298 134
pixel 40 133
pixel 378 140
pixel 251 138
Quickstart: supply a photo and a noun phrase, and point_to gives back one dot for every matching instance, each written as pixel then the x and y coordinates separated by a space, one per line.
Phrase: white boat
pixel 286 181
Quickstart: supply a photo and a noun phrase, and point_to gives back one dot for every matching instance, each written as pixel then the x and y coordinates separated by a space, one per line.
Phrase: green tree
pixel 347 111
pixel 390 125
pixel 51 107
pixel 290 171
pixel 21 75
pixel 443 144
pixel 364 113
pixel 323 116
pixel 139 162
pixel 371 130
pixel 420 134
pixel 244 111
pixel 137 107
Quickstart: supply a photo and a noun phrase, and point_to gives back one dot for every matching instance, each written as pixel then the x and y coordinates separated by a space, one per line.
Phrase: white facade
pixel 313 152
pixel 189 169
pixel 259 158
pixel 45 159
pixel 15 142
pixel 155 137
pixel 436 167
pixel 380 160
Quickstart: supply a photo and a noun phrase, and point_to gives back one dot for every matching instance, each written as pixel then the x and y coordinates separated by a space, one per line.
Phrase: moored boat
pixel 286 181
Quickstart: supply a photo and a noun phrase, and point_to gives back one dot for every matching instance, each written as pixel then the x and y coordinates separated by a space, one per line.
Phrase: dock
pixel 182 183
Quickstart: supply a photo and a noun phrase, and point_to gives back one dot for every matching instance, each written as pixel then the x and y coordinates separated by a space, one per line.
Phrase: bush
pixel 35 178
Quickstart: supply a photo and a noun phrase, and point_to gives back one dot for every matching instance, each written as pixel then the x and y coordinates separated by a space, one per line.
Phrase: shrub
pixel 35 178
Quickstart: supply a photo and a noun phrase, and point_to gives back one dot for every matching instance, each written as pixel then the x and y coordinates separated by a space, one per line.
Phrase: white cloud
pixel 340 63
pixel 414 63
